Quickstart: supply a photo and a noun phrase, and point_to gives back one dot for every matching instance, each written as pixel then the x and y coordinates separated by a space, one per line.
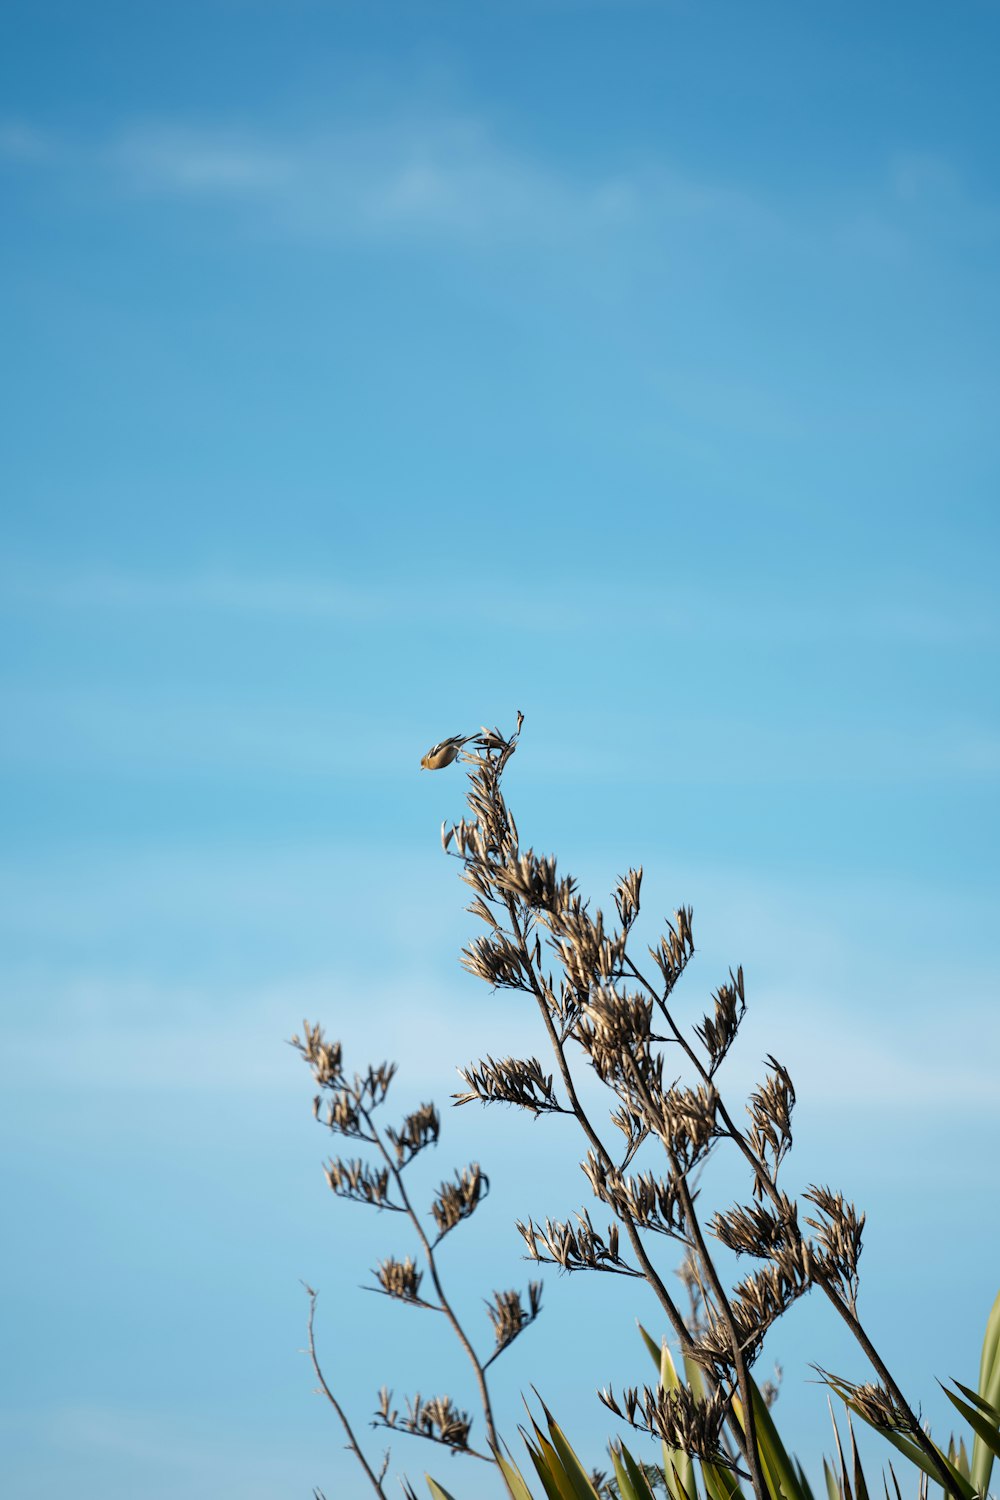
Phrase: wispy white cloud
pixel 978 753
pixel 444 176
pixel 24 144
pixel 149 1037
pixel 853 1008
pixel 921 176
pixel 226 591
pixel 933 185
pixel 147 729
pixel 188 162
pixel 924 198
pixel 843 1057
pixel 885 614
pixel 180 896
pixel 144 1036
pixel 453 178
pixel 135 721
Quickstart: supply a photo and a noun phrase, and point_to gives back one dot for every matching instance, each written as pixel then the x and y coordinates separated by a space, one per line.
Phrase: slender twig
pixel 352 1442
pixel 446 1307
pixel 379 1291
pixel 885 1375
pixel 434 1437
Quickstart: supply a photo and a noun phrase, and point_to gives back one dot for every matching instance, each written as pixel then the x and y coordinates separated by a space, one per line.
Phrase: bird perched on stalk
pixel 441 755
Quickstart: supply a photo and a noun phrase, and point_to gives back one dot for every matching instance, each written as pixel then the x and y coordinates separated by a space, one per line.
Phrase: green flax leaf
pixel 638 1482
pixel 438 1491
pixel 513 1478
pixel 984 1430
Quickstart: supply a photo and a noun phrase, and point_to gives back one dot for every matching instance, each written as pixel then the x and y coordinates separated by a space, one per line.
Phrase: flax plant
pixel 598 1007
pixel 600 1011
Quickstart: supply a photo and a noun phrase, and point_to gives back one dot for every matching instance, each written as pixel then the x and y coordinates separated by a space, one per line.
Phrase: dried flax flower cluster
pixel 599 1009
pixel 346 1106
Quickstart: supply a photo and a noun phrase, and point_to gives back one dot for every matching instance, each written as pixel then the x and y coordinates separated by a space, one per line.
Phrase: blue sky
pixel 376 370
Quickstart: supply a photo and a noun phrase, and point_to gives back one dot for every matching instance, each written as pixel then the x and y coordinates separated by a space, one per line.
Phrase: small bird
pixel 439 756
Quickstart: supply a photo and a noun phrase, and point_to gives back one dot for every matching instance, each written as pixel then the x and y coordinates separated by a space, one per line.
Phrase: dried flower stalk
pixel 346 1106
pixel 543 941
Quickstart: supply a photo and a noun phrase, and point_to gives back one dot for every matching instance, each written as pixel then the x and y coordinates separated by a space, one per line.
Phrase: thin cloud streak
pixel 449 177
pixel 151 731
pixel 23 144
pixel 186 1041
pixel 441 177
pixel 224 591
pixel 304 597
pixel 143 1036
pixel 813 984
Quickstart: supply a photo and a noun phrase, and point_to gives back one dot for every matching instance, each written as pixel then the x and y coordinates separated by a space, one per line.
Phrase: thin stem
pixel 545 1001
pixel 884 1374
pixel 432 1437
pixel 379 1291
pixel 352 1441
pixel 739 1359
pixel 694 1284
pixel 746 1436
pixel 770 1188
pixel 543 998
pixel 649 1271
pixel 446 1307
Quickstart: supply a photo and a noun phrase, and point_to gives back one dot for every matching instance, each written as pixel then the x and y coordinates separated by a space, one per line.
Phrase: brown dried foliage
pixel 543 942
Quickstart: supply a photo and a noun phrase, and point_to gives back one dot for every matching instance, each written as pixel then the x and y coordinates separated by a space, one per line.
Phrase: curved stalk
pixel 649 1270
pixel 652 1276
pixel 352 1442
pixel 767 1183
pixel 446 1307
pixel 751 1453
